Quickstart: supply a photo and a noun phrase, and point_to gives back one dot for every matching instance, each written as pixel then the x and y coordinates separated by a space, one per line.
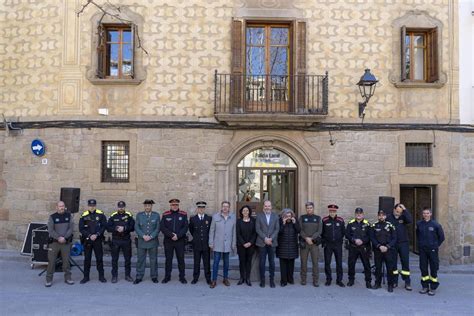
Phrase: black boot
pixel 241 281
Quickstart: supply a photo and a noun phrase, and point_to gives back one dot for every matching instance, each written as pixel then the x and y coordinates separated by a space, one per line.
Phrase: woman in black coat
pixel 246 237
pixel 287 249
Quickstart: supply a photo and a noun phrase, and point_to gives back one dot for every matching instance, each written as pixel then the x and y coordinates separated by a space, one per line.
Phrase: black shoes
pixel 424 290
pixel 376 286
pixel 208 281
pixel 431 292
pixel 315 284
pixel 248 282
pixel 262 283
pixel 283 284
pixel 328 283
pixel 165 280
pixel 114 279
pixel 408 286
pixel 350 283
pixel 139 280
pixel 390 288
pixel 84 280
pixel 340 284
pixel 368 285
pixel 194 281
pixel 154 280
pixel 241 281
pixel 183 281
pixel 128 278
pixel 102 279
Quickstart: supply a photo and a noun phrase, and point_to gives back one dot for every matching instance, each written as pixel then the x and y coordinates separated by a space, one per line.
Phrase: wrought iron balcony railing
pixel 295 94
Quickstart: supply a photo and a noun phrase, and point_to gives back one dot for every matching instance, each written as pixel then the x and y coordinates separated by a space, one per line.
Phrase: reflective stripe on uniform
pixel 425 278
pixel 433 279
pixel 405 272
pixel 395 272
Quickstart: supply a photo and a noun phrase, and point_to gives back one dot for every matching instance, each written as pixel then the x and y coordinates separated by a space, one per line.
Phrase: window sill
pixel 408 84
pixel 130 82
pixel 269 119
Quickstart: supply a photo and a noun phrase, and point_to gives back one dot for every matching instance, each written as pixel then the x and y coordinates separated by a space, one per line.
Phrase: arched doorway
pixel 267 174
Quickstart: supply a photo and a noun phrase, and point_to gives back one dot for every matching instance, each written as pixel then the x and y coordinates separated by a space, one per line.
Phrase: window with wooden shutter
pixel 237 77
pixel 419 55
pixel 301 65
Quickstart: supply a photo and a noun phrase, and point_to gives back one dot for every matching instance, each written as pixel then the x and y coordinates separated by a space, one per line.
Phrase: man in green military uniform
pixel 310 238
pixel 147 227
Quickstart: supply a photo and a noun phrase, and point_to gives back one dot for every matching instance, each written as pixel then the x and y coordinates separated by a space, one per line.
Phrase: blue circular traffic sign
pixel 38 148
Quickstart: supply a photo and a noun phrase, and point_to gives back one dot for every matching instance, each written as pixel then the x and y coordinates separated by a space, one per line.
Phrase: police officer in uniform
pixel 310 238
pixel 430 236
pixel 199 226
pixel 92 225
pixel 400 218
pixel 384 239
pixel 147 227
pixel 174 226
pixel 333 236
pixel 121 224
pixel 358 236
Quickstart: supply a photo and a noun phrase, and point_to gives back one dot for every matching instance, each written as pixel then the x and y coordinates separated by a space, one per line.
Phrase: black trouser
pixel 380 258
pixel 263 252
pixel 402 250
pixel 354 253
pixel 205 255
pixel 95 245
pixel 287 267
pixel 429 259
pixel 178 247
pixel 245 260
pixel 329 249
pixel 126 246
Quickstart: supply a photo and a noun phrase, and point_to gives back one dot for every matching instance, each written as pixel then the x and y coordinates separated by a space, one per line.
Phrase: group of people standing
pixel 270 235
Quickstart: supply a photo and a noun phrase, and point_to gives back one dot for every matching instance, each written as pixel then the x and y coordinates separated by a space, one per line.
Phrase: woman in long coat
pixel 287 250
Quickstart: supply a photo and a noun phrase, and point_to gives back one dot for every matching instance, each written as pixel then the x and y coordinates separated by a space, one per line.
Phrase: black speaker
pixel 70 197
pixel 386 203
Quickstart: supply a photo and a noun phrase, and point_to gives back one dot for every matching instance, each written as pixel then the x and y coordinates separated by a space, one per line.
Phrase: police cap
pixel 121 204
pixel 174 201
pixel 91 202
pixel 201 204
pixel 359 210
pixel 149 202
pixel 333 207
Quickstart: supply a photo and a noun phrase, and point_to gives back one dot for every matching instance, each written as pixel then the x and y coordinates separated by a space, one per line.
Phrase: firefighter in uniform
pixel 430 236
pixel 310 239
pixel 174 226
pixel 358 236
pixel 121 224
pixel 400 218
pixel 92 225
pixel 384 239
pixel 332 237
pixel 199 226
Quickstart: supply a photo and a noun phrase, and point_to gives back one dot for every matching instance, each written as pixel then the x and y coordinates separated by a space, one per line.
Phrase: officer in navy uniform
pixel 333 237
pixel 358 236
pixel 199 226
pixel 430 236
pixel 92 225
pixel 121 224
pixel 384 239
pixel 400 218
pixel 174 226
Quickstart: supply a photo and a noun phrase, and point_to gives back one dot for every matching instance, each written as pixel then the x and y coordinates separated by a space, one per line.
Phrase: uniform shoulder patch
pixel 99 212
pixel 339 219
pixel 183 213
pixel 166 213
pixel 366 222
pixel 128 213
pixel 325 218
pixel 352 221
pixel 113 214
pixel 85 213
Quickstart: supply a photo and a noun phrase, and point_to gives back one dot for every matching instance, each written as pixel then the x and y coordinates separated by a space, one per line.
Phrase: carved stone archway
pixel 306 157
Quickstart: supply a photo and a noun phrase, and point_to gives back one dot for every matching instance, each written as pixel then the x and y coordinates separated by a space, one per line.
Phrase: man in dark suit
pixel 199 226
pixel 267 226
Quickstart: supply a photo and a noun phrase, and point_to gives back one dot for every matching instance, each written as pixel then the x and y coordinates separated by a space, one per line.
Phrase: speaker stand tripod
pixel 59 262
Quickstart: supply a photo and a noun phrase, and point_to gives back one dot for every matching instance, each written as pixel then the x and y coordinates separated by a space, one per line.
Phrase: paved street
pixel 23 293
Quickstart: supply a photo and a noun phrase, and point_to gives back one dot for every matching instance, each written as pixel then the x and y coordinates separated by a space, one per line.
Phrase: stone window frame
pixel 105 178
pixel 415 20
pixel 424 162
pixel 100 20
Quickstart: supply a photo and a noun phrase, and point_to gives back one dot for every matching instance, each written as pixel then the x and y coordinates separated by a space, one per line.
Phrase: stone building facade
pixel 182 144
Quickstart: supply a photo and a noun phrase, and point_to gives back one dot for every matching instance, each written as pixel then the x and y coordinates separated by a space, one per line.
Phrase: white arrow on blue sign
pixel 38 148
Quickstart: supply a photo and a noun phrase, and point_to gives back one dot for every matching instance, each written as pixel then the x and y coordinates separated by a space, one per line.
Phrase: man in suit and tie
pixel 199 226
pixel 147 227
pixel 267 227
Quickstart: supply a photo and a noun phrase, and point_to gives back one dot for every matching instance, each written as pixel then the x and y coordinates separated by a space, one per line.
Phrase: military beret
pixel 174 201
pixel 201 204
pixel 359 210
pixel 121 204
pixel 149 202
pixel 91 202
pixel 333 206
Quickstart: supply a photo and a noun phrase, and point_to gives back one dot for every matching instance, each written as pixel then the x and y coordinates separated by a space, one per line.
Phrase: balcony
pixel 270 99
